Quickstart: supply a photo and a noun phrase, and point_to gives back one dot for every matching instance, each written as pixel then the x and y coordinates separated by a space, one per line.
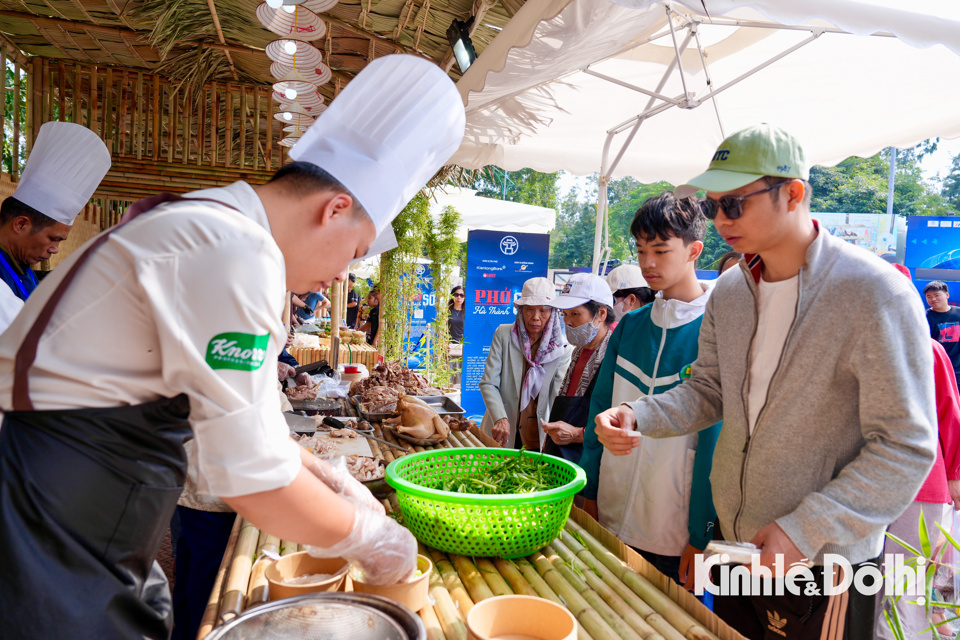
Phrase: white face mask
pixel 582 335
pixel 618 310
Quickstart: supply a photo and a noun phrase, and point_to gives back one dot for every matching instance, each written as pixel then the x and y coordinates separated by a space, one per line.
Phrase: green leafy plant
pixel 925 555
pixel 444 250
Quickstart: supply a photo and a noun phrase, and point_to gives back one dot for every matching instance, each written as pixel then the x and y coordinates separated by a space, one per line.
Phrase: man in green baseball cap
pixel 815 355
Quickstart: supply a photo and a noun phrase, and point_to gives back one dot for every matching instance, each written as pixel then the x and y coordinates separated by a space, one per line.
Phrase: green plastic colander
pixel 505 526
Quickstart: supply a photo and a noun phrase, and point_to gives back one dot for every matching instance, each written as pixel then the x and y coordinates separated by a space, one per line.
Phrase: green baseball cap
pixel 748 155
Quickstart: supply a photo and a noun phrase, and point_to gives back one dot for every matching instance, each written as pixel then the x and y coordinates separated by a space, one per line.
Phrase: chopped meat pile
pixel 303 393
pixel 320 447
pixel 364 468
pixel 344 433
pixel 393 376
pixel 459 423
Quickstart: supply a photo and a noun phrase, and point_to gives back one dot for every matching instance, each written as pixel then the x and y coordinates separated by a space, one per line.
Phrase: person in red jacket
pixel 941 487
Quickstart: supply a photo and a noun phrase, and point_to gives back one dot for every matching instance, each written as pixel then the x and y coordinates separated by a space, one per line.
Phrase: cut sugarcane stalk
pixel 493 578
pixel 581 610
pixel 471 578
pixel 670 610
pixel 615 602
pixel 452 622
pixel 452 583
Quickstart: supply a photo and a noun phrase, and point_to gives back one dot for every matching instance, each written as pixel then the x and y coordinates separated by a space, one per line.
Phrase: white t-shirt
pixel 187 299
pixel 776 309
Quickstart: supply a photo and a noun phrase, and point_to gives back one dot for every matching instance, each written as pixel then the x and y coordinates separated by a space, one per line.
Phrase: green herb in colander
pixel 516 474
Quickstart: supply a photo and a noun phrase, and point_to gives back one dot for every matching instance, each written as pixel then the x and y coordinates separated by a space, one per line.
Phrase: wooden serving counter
pixel 611 590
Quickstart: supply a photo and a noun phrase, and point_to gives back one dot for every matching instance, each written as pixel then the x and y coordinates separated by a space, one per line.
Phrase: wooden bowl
pixel 413 595
pixel 520 618
pixel 301 564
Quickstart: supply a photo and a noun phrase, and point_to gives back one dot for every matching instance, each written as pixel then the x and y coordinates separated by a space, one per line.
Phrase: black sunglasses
pixel 732 205
pixel 459 295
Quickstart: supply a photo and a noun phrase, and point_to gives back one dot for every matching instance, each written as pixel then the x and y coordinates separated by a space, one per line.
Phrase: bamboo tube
pixel 670 610
pixel 257 589
pixel 451 621
pixel 591 597
pixel 287 547
pixel 542 589
pixel 431 623
pixel 625 592
pixel 616 605
pixel 209 619
pixel 492 577
pixel 582 611
pixel 474 440
pixel 514 578
pixel 451 581
pixel 231 603
pixel 471 578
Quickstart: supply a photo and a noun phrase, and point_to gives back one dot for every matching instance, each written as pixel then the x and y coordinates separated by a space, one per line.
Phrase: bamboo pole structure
pixel 209 619
pixel 335 326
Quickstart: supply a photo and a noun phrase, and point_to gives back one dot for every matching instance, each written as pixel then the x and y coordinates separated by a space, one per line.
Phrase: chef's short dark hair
pixel 303 179
pixel 12 208
pixel 936 285
pixel 666 216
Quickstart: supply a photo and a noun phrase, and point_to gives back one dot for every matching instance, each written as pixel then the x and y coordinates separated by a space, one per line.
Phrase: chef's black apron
pixel 85 497
pixel 574 410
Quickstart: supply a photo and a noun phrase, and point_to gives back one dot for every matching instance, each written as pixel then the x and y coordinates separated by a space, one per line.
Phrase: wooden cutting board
pixel 359 446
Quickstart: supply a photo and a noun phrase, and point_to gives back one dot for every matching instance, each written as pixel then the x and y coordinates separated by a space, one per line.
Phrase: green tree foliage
pixel 526 186
pixel 951 184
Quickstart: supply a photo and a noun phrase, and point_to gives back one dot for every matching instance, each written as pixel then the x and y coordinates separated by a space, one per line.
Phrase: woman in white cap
pixel 630 291
pixel 587 306
pixel 524 369
pixel 168 330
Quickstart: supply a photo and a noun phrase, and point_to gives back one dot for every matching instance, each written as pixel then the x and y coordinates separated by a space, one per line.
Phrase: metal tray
pixel 443 405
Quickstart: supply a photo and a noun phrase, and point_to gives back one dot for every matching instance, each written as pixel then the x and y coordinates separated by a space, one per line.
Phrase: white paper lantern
pixel 301 24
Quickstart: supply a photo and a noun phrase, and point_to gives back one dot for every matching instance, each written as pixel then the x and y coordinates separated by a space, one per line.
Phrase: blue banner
pixel 421 315
pixel 498 263
pixel 933 252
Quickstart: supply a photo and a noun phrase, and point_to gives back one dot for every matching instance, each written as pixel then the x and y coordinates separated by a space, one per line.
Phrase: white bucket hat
pixel 536 292
pixel 582 288
pixel 627 276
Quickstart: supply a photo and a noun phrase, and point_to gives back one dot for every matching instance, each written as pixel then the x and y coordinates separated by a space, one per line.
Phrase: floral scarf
pixel 552 343
pixel 589 371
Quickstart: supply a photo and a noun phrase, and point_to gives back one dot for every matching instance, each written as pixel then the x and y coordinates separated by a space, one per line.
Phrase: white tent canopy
pixel 589 85
pixel 477 212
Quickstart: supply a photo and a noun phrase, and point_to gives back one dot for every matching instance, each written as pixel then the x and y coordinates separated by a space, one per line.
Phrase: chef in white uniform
pixel 64 168
pixel 170 328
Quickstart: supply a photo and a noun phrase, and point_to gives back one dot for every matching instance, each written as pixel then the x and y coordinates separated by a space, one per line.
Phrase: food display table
pixel 611 590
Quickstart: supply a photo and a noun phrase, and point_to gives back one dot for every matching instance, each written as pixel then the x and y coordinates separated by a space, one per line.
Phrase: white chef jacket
pixel 10 306
pixel 166 306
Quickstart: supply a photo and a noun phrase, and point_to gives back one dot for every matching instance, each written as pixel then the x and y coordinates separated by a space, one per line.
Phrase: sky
pixel 937 163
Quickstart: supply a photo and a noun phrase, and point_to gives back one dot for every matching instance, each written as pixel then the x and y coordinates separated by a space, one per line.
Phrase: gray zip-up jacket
pixel 848 431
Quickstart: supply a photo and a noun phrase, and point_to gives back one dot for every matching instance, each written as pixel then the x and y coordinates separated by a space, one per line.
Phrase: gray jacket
pixel 503 377
pixel 848 431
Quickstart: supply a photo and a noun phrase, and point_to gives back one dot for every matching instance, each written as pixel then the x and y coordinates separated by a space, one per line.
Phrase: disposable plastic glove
pixel 383 550
pixel 334 474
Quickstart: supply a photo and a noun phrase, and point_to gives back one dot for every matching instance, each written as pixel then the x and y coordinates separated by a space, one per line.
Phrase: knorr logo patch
pixel 241 351
pixel 686 372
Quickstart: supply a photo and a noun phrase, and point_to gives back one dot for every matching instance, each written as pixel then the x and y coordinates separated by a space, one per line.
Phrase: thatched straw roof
pixel 180 38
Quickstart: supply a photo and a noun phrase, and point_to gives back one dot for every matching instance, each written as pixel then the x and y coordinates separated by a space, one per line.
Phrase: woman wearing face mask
pixel 586 302
pixel 630 291
pixel 524 368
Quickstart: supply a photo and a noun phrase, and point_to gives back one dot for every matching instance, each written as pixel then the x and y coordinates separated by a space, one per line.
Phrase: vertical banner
pixel 933 252
pixel 498 263
pixel 420 316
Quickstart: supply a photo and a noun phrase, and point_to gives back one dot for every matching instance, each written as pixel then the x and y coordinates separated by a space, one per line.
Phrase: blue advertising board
pixel 933 252
pixel 498 263
pixel 422 313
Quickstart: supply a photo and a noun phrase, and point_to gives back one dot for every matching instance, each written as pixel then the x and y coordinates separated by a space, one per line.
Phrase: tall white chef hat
pixel 386 134
pixel 65 166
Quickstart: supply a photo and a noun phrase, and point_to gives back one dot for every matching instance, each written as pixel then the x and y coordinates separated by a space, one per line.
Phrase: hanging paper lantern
pixel 303 55
pixel 294 129
pixel 294 119
pixel 300 24
pixel 311 102
pixel 289 141
pixel 318 75
pixel 294 84
pixel 319 6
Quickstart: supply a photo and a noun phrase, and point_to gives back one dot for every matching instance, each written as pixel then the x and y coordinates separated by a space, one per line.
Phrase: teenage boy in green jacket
pixel 815 354
pixel 658 499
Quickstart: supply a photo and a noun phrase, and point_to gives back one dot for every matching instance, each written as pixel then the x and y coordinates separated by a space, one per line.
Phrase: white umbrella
pixel 477 212
pixel 589 85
